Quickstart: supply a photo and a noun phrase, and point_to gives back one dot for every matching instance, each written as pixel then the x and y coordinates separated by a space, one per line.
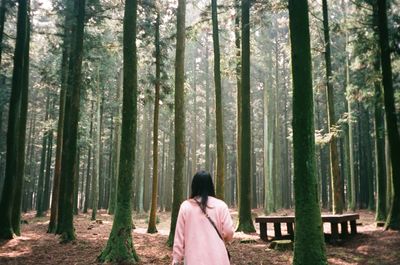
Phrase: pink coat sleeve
pixel 227 225
pixel 179 240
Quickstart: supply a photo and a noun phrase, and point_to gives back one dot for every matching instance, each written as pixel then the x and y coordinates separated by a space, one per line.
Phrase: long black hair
pixel 202 186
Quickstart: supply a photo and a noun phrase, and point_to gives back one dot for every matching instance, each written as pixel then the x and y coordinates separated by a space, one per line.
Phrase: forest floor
pixel 371 246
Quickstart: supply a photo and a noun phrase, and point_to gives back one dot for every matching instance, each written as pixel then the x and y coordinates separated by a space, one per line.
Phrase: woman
pixel 203 222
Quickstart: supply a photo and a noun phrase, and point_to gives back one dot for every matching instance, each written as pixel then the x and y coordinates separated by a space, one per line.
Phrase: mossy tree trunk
pixel 119 248
pixel 309 241
pixel 393 219
pixel 245 220
pixel 15 157
pixel 337 200
pixel 220 186
pixel 153 211
pixel 65 225
pixel 180 148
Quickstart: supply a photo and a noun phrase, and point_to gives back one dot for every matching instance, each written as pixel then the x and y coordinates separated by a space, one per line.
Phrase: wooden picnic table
pixel 343 219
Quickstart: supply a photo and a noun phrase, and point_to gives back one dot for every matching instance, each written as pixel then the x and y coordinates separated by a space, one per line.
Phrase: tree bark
pixel 15 132
pixel 393 220
pixel 60 127
pixel 220 180
pixel 120 247
pixel 309 242
pixel 70 134
pixel 245 220
pixel 117 148
pixel 180 148
pixel 337 200
pixel 153 211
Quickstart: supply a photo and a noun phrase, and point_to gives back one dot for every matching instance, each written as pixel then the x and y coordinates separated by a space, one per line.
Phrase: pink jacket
pixel 196 240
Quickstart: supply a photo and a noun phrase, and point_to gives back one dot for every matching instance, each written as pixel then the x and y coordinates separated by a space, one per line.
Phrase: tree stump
pixel 281 245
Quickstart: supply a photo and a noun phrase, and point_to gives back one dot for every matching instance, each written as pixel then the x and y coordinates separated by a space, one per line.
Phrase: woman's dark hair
pixel 202 186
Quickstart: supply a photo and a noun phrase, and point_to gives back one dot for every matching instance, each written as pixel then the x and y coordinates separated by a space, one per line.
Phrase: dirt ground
pixel 371 246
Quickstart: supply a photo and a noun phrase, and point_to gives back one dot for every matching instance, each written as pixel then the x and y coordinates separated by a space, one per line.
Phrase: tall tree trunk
pixel 146 158
pixel 238 101
pixel 116 149
pixel 337 200
pixel 180 149
pixel 16 212
pixel 393 220
pixel 40 186
pixel 88 170
pixel 120 244
pixel 379 122
pixel 46 191
pixel 70 134
pixel 309 242
pixel 3 10
pixel 245 220
pixel 96 160
pixel 207 129
pixel 60 127
pixel 351 190
pixel 76 181
pixel 15 131
pixel 153 218
pixel 168 181
pixel 101 178
pixel 220 185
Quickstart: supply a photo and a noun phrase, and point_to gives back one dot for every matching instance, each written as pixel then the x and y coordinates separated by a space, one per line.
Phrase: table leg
pixel 353 227
pixel 263 231
pixel 345 232
pixel 290 229
pixel 334 232
pixel 277 228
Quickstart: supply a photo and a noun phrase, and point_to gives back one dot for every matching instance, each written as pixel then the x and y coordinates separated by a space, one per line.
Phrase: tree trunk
pixel 245 220
pixel 15 132
pixel 119 247
pixel 3 10
pixel 337 201
pixel 96 160
pixel 101 178
pixel 16 213
pixel 153 218
pixel 117 148
pixel 70 134
pixel 46 192
pixel 220 186
pixel 207 129
pixel 238 101
pixel 60 127
pixel 309 242
pixel 40 186
pixel 393 220
pixel 88 172
pixel 180 149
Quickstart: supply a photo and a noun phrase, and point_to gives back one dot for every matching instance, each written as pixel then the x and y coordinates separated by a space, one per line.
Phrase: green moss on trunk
pixel 309 241
pixel 245 220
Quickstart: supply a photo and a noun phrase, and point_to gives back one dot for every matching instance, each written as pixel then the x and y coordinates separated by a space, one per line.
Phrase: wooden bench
pixel 334 220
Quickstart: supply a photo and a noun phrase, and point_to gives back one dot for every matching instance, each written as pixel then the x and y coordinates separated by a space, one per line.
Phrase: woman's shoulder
pixel 217 202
